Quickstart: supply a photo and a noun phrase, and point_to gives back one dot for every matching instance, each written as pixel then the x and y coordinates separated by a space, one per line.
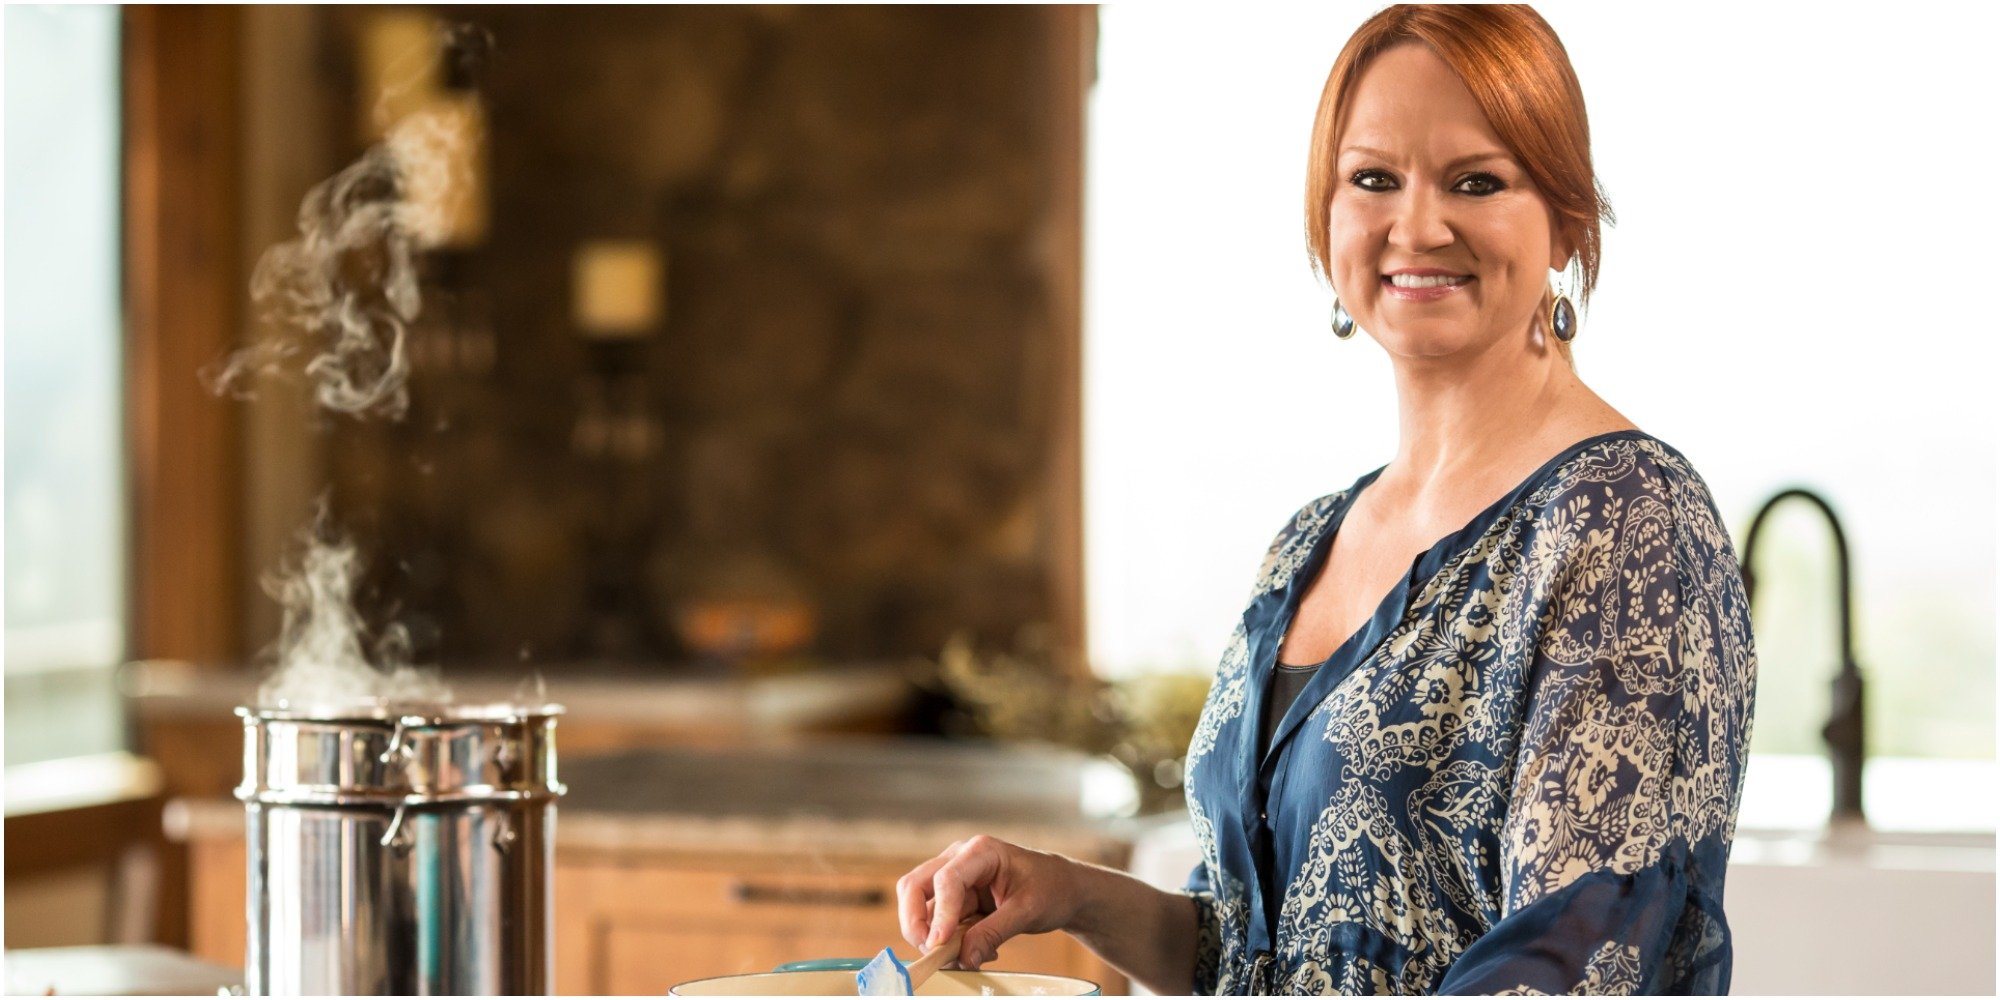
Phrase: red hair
pixel 1519 73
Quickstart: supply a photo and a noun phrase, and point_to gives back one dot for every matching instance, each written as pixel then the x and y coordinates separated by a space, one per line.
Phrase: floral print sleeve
pixel 1622 789
pixel 1208 932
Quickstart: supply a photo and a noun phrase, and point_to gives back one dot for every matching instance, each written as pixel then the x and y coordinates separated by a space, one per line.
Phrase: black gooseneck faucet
pixel 1843 731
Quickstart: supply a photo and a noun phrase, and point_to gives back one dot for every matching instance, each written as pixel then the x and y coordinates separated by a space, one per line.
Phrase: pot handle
pixel 503 838
pixel 396 838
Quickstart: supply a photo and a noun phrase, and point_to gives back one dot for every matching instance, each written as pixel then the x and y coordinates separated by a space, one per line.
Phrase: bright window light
pixel 1782 299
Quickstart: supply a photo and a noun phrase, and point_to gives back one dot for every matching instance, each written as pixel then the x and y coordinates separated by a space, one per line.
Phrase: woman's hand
pixel 1012 889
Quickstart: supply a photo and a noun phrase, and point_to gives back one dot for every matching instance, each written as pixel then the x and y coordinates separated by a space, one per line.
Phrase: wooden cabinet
pixel 638 928
pixel 218 879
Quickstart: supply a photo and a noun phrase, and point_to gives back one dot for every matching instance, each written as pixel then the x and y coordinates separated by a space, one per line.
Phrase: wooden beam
pixel 1071 70
pixel 184 292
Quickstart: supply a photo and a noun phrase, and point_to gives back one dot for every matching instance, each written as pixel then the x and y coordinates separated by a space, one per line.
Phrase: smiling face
pixel 1439 242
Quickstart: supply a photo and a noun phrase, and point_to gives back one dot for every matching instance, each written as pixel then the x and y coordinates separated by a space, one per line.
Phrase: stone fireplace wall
pixel 853 393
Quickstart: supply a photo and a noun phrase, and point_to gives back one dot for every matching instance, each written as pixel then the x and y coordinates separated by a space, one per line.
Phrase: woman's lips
pixel 1428 293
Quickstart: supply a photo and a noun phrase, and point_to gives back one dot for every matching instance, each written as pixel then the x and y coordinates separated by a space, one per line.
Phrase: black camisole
pixel 1286 683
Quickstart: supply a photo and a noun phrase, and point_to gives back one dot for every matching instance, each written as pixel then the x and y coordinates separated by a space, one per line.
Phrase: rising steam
pixel 339 299
pixel 323 651
pixel 338 296
pixel 341 295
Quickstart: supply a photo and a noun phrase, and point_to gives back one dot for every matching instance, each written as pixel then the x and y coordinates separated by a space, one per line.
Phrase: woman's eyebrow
pixel 1459 162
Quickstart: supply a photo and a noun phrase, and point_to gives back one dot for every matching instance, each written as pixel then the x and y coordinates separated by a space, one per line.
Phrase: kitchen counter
pixel 855 797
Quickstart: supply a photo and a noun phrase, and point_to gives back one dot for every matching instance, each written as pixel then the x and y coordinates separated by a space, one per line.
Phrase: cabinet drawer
pixel 639 929
pixel 860 897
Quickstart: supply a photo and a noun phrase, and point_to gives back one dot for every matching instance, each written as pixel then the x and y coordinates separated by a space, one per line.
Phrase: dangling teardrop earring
pixel 1562 315
pixel 1343 324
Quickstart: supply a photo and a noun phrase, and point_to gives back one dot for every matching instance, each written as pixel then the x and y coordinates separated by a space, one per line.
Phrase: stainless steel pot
pixel 400 852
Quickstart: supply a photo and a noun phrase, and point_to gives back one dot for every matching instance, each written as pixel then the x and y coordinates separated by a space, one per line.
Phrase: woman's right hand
pixel 1013 890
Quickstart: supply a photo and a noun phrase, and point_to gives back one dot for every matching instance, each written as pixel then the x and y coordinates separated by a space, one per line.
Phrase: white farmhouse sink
pixel 1857 911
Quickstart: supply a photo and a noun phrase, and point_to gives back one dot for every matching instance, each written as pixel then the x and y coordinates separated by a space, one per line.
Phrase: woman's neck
pixel 1461 419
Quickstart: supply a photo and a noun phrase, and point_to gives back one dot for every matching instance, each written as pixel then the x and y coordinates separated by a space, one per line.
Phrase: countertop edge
pixel 582 835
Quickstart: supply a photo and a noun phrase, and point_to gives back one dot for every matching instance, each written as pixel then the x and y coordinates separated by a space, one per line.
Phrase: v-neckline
pixel 1342 662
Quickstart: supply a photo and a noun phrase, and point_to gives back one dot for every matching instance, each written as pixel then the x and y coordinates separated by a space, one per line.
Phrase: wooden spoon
pixel 924 967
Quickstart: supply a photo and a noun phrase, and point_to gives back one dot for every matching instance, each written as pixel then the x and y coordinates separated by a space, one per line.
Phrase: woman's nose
pixel 1420 225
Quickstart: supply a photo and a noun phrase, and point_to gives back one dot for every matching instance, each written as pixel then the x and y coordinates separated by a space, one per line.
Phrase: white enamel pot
pixel 835 977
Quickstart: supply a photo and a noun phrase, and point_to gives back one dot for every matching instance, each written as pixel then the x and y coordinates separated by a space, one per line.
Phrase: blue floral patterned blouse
pixel 1520 776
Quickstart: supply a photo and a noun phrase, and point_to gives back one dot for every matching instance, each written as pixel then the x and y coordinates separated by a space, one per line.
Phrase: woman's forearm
pixel 1148 934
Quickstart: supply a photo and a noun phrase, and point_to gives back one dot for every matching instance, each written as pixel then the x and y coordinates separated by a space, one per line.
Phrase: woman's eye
pixel 1480 184
pixel 1372 180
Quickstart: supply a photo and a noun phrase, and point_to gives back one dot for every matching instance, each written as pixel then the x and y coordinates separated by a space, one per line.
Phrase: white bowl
pixel 949 983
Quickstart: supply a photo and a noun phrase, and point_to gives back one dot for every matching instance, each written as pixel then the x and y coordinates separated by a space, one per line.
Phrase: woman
pixel 1482 726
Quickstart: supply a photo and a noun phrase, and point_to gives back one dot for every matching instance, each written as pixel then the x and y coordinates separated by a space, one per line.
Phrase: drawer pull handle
pixel 799 895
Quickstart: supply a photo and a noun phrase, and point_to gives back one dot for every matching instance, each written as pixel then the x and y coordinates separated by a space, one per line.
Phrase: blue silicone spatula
pixel 886 976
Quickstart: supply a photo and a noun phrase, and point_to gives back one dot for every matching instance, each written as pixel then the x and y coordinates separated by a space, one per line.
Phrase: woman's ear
pixel 1560 252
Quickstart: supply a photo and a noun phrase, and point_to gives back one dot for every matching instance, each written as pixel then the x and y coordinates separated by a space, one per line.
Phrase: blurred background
pixel 864 416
